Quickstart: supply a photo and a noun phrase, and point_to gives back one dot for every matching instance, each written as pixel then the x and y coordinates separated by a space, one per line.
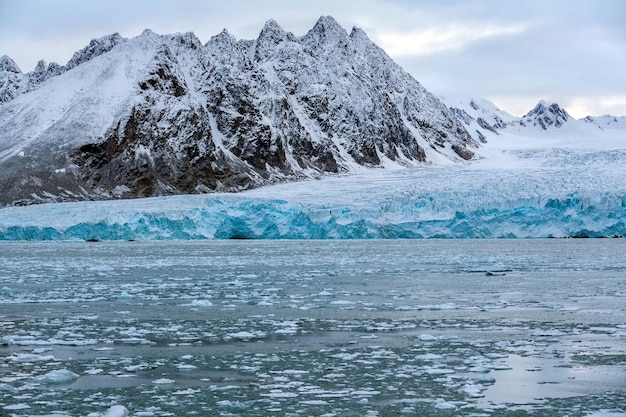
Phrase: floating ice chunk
pixel 16 407
pixel 426 337
pixel 163 381
pixel 201 303
pixel 185 366
pixel 428 356
pixel 345 356
pixel 231 404
pixel 287 331
pixel 293 372
pixel 89 318
pixel 188 391
pixel 342 303
pixel 472 390
pixel 438 371
pixel 58 376
pixel 17 340
pixel 125 296
pixel 245 336
pixel 29 357
pixel 314 402
pixel 114 411
pixel 444 405
pixel 139 367
pixel 280 394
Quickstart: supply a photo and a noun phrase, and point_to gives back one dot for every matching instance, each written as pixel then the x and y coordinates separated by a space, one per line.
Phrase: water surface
pixel 401 327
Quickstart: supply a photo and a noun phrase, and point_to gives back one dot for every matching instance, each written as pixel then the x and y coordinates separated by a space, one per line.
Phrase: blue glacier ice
pixel 409 205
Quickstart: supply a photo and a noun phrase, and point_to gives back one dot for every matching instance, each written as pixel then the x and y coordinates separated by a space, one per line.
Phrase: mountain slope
pixel 481 117
pixel 164 114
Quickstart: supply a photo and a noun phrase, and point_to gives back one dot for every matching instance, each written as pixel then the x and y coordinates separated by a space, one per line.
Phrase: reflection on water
pixel 533 378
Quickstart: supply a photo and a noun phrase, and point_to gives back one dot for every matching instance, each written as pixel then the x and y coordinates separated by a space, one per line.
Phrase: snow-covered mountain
pixel 480 116
pixel 545 115
pixel 164 114
pixel 484 120
pixel 607 121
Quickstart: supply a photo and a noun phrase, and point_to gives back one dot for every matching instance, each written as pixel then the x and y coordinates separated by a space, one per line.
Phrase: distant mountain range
pixel 164 114
pixel 482 118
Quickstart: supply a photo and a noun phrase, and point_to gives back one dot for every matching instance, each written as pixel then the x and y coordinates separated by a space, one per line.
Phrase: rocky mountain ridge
pixel 164 114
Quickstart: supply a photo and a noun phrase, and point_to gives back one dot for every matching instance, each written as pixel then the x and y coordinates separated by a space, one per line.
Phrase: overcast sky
pixel 513 52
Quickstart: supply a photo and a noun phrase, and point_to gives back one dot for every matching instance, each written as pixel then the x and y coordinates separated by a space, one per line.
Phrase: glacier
pixel 550 186
pixel 571 215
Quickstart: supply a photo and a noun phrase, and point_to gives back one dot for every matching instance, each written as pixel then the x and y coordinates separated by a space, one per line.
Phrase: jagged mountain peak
pixel 40 67
pixel 327 23
pixel 187 39
pixel 11 79
pixel 268 40
pixel 543 106
pixel 7 64
pixel 326 31
pixel 358 35
pixel 148 33
pixel 546 114
pixel 272 26
pixel 95 48
pixel 224 37
pixel 42 72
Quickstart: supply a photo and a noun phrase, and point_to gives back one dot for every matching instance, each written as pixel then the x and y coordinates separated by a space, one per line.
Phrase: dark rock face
pixel 225 116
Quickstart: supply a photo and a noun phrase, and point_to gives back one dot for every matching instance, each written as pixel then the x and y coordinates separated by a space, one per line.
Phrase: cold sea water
pixel 312 328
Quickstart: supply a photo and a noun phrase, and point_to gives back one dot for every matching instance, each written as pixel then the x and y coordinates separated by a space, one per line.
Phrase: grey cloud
pixel 570 48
